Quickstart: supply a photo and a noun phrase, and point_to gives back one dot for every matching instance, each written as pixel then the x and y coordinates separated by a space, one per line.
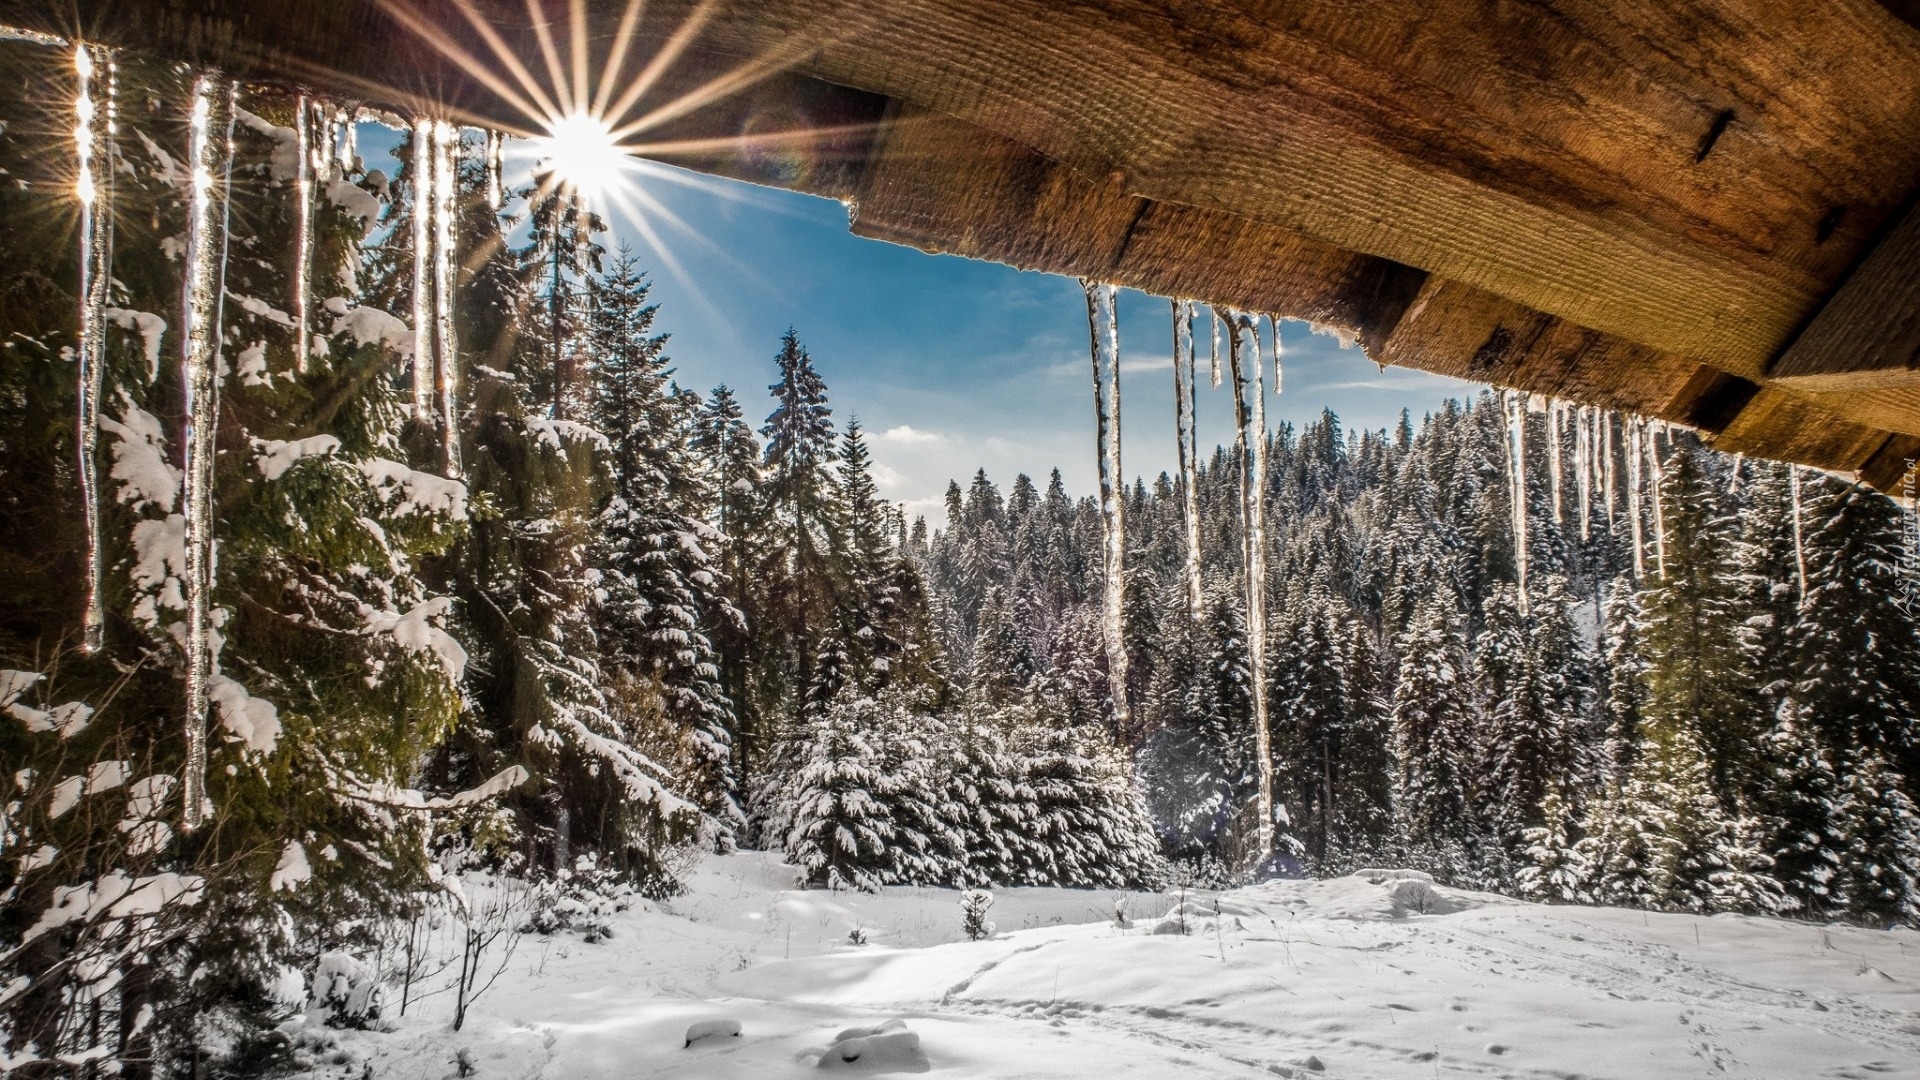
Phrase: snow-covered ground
pixel 1340 978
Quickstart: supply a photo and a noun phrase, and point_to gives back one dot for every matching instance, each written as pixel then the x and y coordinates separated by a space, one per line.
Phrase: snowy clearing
pixel 1337 978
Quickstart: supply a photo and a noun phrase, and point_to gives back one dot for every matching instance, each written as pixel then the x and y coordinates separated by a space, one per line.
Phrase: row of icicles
pixel 1592 432
pixel 326 144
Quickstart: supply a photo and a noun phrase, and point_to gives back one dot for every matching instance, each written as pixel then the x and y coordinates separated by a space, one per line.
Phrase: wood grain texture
pixel 1867 337
pixel 1634 204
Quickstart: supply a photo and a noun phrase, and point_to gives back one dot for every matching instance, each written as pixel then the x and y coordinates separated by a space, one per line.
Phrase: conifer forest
pixel 389 488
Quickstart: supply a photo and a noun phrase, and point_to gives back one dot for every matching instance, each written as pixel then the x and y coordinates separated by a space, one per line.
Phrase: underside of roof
pixel 1697 210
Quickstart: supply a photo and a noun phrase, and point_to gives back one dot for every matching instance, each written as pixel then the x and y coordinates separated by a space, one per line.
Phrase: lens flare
pixel 583 155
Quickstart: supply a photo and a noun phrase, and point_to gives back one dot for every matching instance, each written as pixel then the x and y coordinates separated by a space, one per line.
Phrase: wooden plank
pixel 1458 330
pixel 1544 153
pixel 1786 426
pixel 1551 154
pixel 1867 337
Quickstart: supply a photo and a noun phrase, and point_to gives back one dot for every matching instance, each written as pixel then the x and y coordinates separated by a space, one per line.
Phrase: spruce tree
pixel 651 554
pixel 1854 641
pixel 1433 722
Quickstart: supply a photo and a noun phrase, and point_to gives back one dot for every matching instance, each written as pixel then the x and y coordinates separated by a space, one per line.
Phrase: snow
pixel 68 719
pixel 276 456
pixel 418 492
pixel 285 162
pixel 151 328
pixel 293 868
pixel 371 326
pixel 140 465
pixel 115 896
pixel 1294 978
pixel 255 722
pixel 415 631
pixel 559 434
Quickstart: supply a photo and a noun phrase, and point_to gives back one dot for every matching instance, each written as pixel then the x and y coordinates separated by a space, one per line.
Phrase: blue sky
pixel 951 364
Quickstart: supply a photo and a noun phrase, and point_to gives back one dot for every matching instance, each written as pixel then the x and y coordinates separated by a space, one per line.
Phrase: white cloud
pixel 908 435
pixel 886 476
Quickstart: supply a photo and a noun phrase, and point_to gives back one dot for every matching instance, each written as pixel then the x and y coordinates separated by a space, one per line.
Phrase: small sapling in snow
pixel 974 904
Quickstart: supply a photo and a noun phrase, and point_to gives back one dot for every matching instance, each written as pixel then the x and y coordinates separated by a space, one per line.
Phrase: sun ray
pixel 719 88
pixel 507 57
pixel 581 68
pixel 465 60
pixel 683 36
pixel 617 56
pixel 770 140
pixel 543 33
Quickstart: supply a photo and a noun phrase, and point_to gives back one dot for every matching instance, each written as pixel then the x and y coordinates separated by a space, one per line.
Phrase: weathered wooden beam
pixel 1867 337
pixel 1633 205
pixel 1691 175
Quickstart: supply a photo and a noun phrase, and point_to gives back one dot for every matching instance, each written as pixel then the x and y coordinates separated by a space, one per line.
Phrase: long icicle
pixel 1633 456
pixel 90 138
pixel 1104 330
pixel 1658 475
pixel 495 150
pixel 1604 418
pixel 445 351
pixel 1799 548
pixel 1555 409
pixel 199 378
pixel 1183 395
pixel 1515 404
pixel 349 140
pixel 302 229
pixel 1213 351
pixel 1279 372
pixel 1583 467
pixel 420 168
pixel 1250 416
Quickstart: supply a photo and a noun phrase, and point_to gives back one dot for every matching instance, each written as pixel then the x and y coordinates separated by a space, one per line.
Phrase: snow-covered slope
pixel 1375 975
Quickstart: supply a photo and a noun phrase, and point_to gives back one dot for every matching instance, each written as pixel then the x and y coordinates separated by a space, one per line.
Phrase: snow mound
pixel 1376 876
pixel 722 1027
pixel 888 1048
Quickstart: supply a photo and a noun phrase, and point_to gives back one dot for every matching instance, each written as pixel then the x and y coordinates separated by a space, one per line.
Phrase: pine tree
pixel 1696 669
pixel 1556 870
pixel 836 830
pixel 1433 712
pixel 1088 817
pixel 1878 828
pixel 651 555
pixel 333 671
pixel 1854 640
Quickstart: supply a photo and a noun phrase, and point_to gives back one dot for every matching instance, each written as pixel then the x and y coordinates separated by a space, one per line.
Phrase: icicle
pixel 1583 467
pixel 349 140
pixel 1799 547
pixel 1104 330
pixel 1605 418
pixel 90 138
pixel 302 228
pixel 1554 410
pixel 1213 353
pixel 1515 404
pixel 420 169
pixel 199 371
pixel 1273 325
pixel 1249 410
pixel 1658 475
pixel 495 152
pixel 445 353
pixel 1633 498
pixel 1183 395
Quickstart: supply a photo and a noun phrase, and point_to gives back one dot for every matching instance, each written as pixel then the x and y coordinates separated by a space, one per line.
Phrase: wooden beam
pixel 1690 175
pixel 1867 337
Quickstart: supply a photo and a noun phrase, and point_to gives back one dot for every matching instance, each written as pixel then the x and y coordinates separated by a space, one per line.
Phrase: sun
pixel 583 154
